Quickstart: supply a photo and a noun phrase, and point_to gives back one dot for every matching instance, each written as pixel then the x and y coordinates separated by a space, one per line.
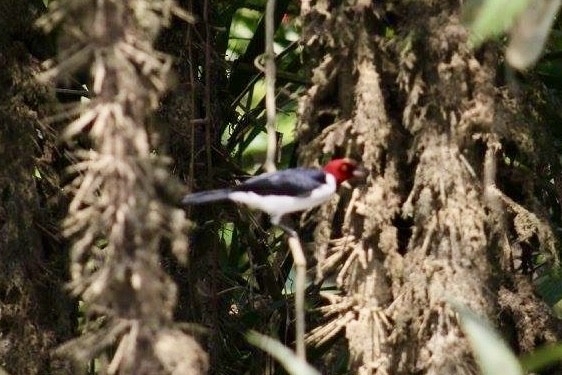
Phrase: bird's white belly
pixel 279 205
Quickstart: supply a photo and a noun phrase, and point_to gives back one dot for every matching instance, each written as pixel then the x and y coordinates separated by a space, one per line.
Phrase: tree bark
pixel 122 216
pixel 398 87
pixel 36 314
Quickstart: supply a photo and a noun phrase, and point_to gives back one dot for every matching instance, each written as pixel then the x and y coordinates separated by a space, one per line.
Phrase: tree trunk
pixel 122 213
pixel 421 111
pixel 36 314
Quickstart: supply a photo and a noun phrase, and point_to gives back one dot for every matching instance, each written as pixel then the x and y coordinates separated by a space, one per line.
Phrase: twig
pixel 191 170
pixel 282 354
pixel 270 86
pixel 300 284
pixel 250 70
pixel 294 242
pixel 84 92
pixel 213 254
pixel 208 110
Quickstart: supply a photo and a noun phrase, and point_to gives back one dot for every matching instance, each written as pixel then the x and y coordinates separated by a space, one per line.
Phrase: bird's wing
pixel 294 182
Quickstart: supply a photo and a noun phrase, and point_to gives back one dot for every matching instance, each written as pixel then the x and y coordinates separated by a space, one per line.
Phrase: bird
pixel 282 192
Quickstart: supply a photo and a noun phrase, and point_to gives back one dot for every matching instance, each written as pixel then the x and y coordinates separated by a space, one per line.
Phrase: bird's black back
pixel 297 182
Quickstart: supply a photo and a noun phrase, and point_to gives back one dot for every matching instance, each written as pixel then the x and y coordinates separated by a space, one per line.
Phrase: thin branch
pixel 193 122
pixel 84 92
pixel 251 69
pixel 270 108
pixel 300 286
pixel 208 111
pixel 270 86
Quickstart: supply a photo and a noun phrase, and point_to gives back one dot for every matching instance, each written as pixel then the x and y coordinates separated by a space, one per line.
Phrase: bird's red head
pixel 343 169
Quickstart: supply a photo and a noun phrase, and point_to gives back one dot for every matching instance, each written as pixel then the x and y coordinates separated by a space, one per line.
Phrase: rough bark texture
pixel 35 312
pixel 422 112
pixel 447 255
pixel 118 218
pixel 453 207
pixel 346 106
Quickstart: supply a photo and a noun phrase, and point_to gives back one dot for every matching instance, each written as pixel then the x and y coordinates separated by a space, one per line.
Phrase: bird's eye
pixel 344 167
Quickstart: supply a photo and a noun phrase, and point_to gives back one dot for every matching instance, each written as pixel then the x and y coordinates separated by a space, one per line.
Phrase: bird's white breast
pixel 279 205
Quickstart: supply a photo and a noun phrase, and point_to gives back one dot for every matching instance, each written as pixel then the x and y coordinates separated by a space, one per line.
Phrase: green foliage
pixel 491 351
pixel 490 18
pixel 528 23
pixel 245 136
pixel 541 358
pixel 242 28
pixel 494 355
pixel 549 287
pixel 549 69
pixel 253 268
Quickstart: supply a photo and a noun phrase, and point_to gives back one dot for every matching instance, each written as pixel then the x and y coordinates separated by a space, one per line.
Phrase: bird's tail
pixel 206 197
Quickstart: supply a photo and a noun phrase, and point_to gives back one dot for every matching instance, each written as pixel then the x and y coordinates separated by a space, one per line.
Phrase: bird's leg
pixel 280 222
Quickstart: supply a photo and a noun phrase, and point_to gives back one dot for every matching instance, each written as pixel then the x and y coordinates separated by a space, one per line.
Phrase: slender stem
pixel 270 86
pixel 300 284
pixel 191 171
pixel 208 109
pixel 294 242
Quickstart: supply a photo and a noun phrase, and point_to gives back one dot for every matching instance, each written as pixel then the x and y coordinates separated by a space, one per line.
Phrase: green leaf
pixel 528 36
pixel 491 351
pixel 542 357
pixel 490 18
pixel 37 173
pixel 549 286
pixel 285 356
pixel 555 40
pixel 242 28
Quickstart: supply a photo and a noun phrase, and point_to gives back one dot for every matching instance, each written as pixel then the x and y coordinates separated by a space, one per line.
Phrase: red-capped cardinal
pixel 283 192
